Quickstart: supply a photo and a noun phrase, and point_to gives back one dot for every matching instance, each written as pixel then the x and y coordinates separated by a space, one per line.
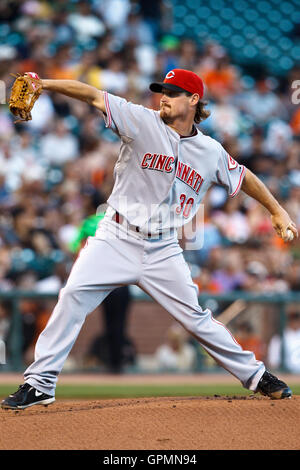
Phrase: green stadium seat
pixel 238 23
pixel 191 21
pixel 264 7
pixel 225 31
pixel 203 12
pixel 296 53
pixel 238 41
pixel 287 8
pixel 285 43
pixel 262 24
pixel 214 22
pixel 274 16
pixel 286 26
pixel 227 13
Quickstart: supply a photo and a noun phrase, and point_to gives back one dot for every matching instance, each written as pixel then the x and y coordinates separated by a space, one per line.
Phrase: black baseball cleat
pixel 272 387
pixel 26 396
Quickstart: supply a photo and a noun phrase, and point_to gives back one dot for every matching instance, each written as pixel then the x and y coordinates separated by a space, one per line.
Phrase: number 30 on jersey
pixel 185 206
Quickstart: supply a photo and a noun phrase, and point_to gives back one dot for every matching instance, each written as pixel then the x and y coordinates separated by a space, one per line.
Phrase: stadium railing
pixel 14 341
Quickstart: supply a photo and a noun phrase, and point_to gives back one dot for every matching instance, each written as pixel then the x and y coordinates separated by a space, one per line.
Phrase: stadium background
pixel 57 168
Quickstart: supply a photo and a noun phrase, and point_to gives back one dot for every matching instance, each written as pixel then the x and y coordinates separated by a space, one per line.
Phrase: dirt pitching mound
pixel 193 423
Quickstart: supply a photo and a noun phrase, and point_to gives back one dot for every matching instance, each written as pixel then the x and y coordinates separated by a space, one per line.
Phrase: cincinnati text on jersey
pixel 164 163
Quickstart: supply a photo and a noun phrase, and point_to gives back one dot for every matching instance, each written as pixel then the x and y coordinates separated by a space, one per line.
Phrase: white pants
pixel 158 267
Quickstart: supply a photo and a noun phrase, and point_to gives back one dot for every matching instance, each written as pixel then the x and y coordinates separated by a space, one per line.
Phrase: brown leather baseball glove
pixel 25 91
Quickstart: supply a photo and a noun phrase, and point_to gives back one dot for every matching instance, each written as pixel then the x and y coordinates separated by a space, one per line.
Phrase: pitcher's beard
pixel 165 117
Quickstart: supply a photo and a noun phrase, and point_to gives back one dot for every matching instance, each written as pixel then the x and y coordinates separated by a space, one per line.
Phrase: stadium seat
pixel 263 30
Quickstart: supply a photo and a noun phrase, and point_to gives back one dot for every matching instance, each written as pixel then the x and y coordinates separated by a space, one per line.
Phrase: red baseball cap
pixel 180 80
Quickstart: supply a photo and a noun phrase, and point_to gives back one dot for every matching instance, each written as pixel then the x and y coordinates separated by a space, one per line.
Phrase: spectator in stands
pixel 220 77
pixel 293 276
pixel 86 23
pixel 262 103
pixel 205 282
pixel 24 221
pixel 60 65
pixel 295 122
pixel 113 78
pixel 249 340
pixel 225 119
pixel 5 268
pixel 232 221
pixel 278 139
pixel 230 274
pixel 24 150
pixel 59 146
pixel 188 54
pixel 114 12
pixel 135 31
pixel 176 354
pixel 290 345
pixel 12 166
pixel 5 194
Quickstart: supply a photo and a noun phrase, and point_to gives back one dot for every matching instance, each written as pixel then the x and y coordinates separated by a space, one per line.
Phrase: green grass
pixel 87 391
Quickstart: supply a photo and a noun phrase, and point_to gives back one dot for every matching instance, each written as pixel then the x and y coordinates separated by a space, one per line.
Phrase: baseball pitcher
pixel 165 167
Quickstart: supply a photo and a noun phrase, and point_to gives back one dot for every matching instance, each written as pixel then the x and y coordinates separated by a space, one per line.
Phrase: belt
pixel 120 219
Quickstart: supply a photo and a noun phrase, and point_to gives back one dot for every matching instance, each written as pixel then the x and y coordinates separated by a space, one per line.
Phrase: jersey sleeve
pixel 229 173
pixel 122 116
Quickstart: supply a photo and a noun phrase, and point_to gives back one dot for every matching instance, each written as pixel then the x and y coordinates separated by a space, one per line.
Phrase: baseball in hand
pixel 35 76
pixel 289 235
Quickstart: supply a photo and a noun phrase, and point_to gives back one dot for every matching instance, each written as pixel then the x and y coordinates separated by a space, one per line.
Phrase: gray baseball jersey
pixel 161 178
pixel 157 173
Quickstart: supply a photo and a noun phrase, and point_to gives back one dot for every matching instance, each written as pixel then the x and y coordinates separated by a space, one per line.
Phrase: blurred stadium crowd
pixel 56 169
